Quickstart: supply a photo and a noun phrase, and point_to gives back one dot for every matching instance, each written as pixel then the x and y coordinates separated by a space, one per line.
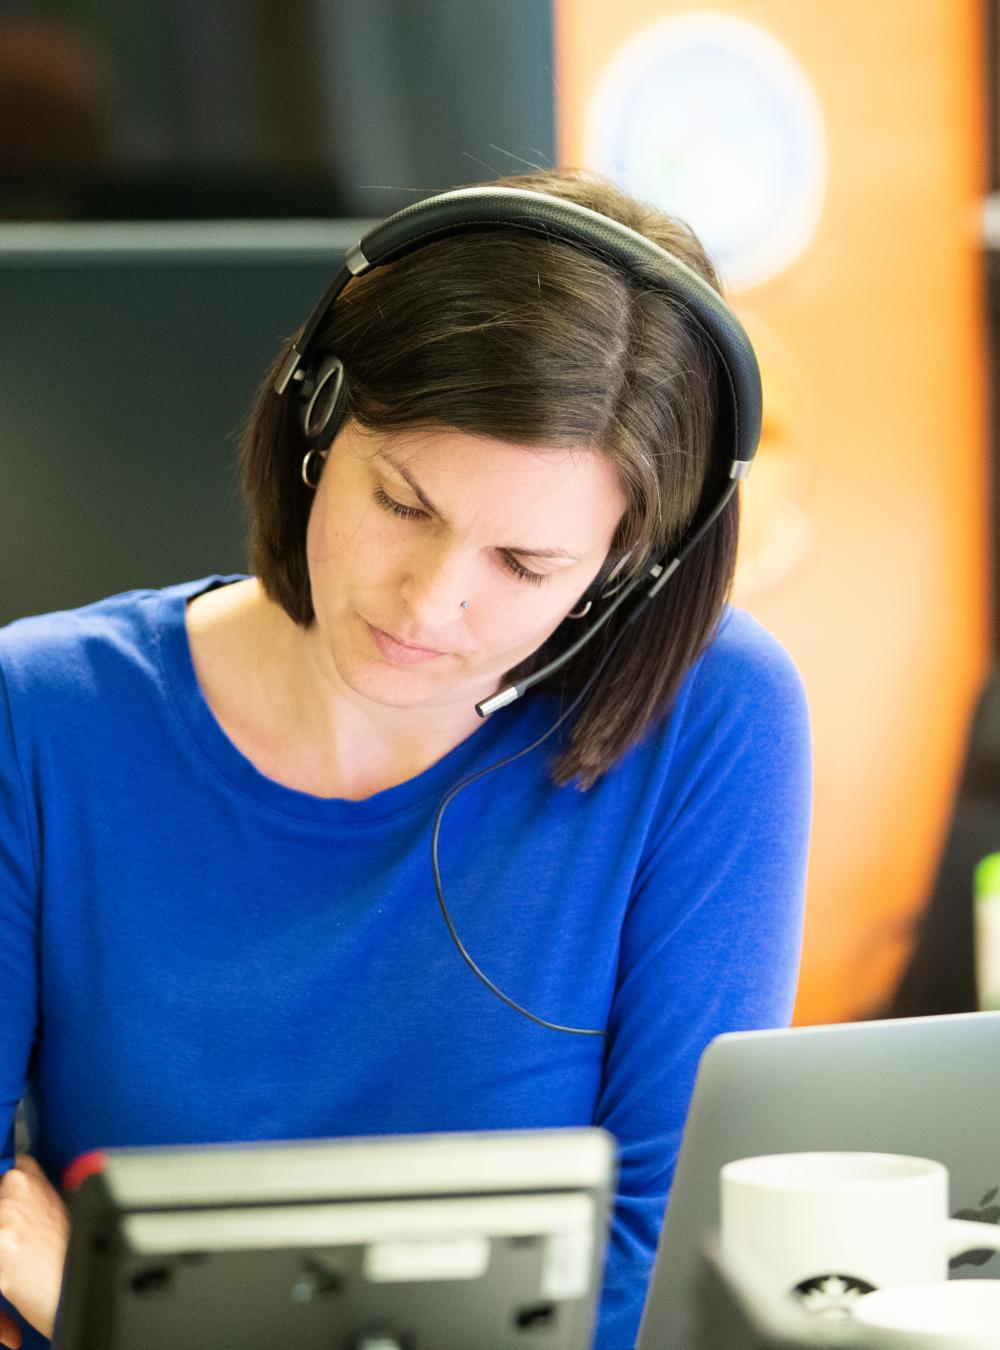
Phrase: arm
pixel 32 1219
pixel 711 940
pixel 34 1234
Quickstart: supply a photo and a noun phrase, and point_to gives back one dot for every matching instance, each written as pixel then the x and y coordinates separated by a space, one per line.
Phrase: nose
pixel 435 582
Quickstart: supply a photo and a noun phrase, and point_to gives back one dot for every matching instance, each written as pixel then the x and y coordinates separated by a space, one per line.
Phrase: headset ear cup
pixel 324 402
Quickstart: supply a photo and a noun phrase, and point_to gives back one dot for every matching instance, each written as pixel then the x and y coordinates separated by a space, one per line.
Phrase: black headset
pixel 322 393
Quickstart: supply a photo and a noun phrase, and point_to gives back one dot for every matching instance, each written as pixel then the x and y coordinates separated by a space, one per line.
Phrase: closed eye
pixel 397 508
pixel 390 504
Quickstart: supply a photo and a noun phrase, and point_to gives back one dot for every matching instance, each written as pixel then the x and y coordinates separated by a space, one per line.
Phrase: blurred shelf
pixel 159 241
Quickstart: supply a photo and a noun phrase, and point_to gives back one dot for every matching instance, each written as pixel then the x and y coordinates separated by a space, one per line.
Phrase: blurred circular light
pixel 712 119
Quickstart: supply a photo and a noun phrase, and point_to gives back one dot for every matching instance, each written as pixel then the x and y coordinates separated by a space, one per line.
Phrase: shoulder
pixel 70 654
pixel 728 771
pixel 742 716
pixel 745 665
pixel 741 710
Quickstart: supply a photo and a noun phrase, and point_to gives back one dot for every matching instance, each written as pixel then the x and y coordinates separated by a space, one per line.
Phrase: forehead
pixel 571 487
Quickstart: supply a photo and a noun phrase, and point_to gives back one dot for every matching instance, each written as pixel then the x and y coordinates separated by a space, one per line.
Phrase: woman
pixel 219 914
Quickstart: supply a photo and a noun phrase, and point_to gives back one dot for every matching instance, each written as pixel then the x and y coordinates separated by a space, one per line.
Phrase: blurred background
pixel 178 182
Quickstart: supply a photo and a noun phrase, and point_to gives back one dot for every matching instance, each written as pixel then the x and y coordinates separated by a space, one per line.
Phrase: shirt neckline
pixel 486 743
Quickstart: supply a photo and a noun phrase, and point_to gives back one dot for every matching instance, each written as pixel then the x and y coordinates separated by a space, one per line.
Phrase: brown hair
pixel 535 342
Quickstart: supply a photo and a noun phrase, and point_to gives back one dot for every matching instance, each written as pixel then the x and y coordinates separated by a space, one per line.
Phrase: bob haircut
pixel 534 342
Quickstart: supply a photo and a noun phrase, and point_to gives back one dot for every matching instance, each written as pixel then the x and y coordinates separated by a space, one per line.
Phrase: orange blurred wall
pixel 873 350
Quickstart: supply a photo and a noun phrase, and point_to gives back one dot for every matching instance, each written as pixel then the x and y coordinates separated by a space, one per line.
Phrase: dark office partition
pixel 224 109
pixel 129 357
pixel 940 974
pixel 424 95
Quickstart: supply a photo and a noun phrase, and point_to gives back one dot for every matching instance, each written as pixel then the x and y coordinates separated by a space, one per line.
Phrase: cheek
pixel 347 539
pixel 317 544
pixel 514 626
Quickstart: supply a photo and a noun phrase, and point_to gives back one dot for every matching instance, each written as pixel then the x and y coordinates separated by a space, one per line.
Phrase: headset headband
pixel 468 210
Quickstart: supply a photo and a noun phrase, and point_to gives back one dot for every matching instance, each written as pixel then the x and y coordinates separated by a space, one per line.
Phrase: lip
pixel 400 652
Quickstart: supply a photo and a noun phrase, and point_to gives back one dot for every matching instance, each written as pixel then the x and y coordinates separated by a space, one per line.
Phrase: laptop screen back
pixel 927 1086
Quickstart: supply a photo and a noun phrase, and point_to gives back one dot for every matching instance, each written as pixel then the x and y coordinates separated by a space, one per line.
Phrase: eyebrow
pixel 425 501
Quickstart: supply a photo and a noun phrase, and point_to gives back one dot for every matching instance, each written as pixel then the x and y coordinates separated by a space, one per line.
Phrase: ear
pixel 611 565
pixel 608 581
pixel 615 564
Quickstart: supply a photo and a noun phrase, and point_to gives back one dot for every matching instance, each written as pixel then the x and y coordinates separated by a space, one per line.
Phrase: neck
pixel 291 700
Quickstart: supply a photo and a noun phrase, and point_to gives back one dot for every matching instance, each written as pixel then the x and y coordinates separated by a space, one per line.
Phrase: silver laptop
pixel 928 1086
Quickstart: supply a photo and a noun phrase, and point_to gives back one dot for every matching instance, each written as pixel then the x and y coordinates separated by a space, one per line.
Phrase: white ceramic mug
pixel 827 1228
pixel 946 1315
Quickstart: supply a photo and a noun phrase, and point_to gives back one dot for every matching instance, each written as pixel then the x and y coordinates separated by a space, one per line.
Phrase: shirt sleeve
pixel 18 931
pixel 712 938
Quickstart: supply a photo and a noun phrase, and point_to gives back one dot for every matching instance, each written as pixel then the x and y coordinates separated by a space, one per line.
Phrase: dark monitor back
pixel 129 358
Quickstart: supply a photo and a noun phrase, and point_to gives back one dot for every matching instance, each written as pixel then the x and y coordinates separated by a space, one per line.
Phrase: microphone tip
pixel 490 705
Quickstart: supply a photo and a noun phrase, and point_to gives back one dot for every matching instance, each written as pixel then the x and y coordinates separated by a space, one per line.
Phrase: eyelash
pixel 411 513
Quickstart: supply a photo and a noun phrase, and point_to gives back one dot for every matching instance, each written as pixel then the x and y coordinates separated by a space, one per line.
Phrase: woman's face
pixel 406 525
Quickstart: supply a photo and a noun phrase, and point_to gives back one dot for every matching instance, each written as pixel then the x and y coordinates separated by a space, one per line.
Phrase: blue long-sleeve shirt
pixel 192 952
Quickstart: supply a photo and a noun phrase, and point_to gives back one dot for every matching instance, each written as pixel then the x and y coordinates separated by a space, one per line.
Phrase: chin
pixel 400 687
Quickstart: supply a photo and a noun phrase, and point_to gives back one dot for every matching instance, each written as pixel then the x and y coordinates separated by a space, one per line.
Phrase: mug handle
pixel 969 1235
